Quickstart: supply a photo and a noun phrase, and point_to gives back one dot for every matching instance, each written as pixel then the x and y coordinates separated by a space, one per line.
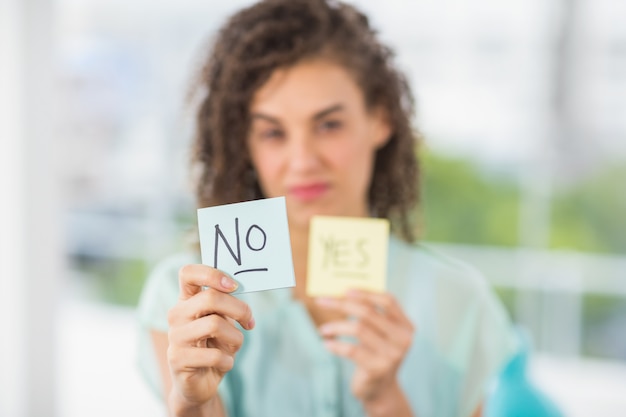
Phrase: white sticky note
pixel 347 253
pixel 249 241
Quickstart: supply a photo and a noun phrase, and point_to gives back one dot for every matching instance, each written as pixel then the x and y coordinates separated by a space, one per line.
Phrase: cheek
pixel 356 163
pixel 267 170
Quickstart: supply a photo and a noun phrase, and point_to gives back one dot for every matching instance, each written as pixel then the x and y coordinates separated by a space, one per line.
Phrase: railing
pixel 549 286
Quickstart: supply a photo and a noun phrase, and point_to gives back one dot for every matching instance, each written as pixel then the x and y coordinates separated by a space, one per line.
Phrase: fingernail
pixel 251 323
pixel 229 284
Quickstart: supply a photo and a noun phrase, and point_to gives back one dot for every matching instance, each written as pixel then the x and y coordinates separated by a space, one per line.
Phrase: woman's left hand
pixel 383 336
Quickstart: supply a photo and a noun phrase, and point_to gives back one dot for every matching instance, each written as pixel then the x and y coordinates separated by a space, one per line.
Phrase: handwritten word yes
pixel 345 257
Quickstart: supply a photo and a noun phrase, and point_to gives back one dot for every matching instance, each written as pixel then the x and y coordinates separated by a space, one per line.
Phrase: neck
pixel 300 252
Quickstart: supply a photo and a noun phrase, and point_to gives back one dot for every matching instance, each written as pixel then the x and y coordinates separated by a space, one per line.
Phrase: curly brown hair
pixel 276 34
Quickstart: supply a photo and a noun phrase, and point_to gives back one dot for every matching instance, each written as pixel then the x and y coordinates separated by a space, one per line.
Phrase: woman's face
pixel 313 140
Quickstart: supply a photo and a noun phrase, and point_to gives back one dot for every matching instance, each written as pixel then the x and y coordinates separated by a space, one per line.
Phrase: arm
pixel 391 402
pixel 479 411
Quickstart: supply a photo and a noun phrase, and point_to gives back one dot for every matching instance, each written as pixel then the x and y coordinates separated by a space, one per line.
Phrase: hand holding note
pixel 250 242
pixel 202 337
pixel 347 265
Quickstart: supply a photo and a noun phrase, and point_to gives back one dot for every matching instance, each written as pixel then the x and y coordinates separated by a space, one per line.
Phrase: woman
pixel 299 98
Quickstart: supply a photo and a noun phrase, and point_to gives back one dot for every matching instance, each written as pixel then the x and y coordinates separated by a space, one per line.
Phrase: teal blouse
pixel 462 340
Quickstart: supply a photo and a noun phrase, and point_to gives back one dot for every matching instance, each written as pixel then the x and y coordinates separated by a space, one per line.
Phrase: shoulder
pixel 164 274
pixel 167 268
pixel 160 290
pixel 172 263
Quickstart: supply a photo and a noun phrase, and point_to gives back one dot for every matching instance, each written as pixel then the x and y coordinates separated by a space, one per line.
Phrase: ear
pixel 381 128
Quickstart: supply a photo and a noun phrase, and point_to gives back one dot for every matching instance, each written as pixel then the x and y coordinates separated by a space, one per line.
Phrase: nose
pixel 303 154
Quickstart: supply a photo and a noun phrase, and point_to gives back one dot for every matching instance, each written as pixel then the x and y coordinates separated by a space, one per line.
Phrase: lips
pixel 308 192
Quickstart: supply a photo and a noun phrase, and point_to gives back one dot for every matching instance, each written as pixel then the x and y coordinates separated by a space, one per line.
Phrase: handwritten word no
pixel 345 257
pixel 252 243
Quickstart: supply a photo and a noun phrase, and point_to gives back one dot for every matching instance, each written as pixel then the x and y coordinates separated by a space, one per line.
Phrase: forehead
pixel 307 87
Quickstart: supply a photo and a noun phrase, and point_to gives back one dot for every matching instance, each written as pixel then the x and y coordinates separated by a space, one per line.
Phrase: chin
pixel 302 220
pixel 301 217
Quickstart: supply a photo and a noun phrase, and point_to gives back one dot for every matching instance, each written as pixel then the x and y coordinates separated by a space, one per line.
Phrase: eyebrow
pixel 320 114
pixel 328 110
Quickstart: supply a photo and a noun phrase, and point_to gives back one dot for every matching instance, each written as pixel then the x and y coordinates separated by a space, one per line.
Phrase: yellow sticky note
pixel 346 253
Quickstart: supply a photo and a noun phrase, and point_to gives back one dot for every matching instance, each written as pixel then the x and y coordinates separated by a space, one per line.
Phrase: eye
pixel 271 134
pixel 330 125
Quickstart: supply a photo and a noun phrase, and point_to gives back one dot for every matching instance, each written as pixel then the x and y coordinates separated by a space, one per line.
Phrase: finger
pixel 208 302
pixel 384 302
pixel 398 327
pixel 362 357
pixel 193 278
pixel 213 326
pixel 190 359
pixel 367 337
pixel 362 310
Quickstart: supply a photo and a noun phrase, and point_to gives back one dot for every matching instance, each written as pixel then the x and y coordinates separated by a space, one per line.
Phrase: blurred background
pixel 522 105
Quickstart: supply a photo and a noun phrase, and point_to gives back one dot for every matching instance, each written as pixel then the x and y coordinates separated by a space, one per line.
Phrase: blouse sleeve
pixel 464 336
pixel 470 329
pixel 159 294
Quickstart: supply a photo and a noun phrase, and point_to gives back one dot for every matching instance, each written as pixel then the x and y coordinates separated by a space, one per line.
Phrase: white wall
pixel 30 221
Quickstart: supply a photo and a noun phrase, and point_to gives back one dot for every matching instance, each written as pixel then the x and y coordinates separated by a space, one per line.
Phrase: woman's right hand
pixel 203 339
